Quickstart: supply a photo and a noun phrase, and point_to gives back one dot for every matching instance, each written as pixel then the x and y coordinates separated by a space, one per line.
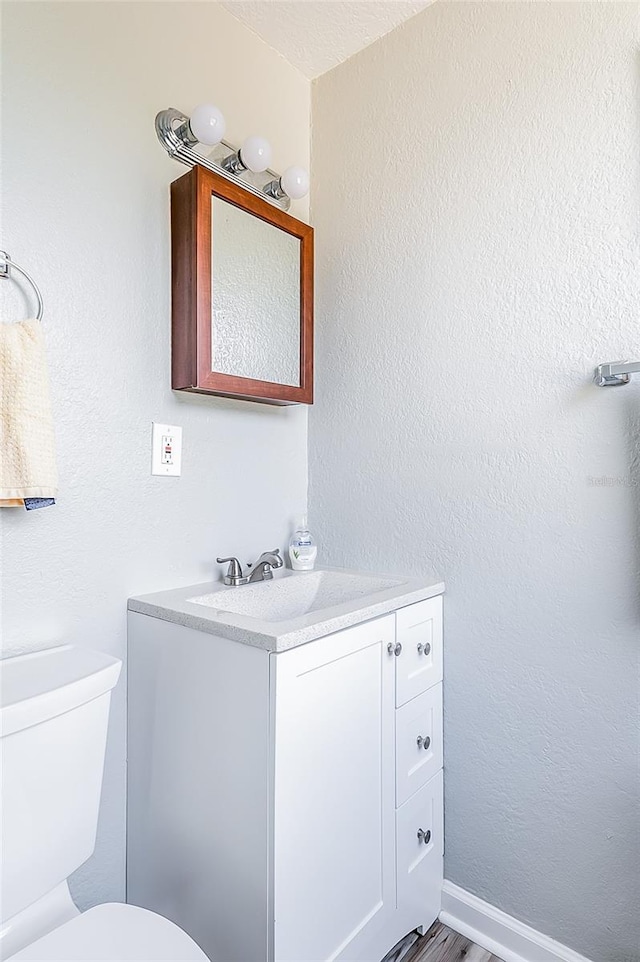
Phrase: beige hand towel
pixel 27 456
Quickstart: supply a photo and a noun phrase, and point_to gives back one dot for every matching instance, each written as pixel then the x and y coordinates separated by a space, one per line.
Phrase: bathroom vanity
pixel 285 764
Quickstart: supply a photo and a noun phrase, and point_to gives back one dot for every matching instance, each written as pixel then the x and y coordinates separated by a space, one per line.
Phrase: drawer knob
pixel 423 742
pixel 424 836
pixel 424 648
pixel 394 649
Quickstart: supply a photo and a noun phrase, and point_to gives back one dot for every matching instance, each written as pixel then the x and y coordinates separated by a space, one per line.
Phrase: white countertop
pixel 377 594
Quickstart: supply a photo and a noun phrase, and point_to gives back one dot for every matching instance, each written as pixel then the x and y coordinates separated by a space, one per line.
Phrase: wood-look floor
pixel 441 944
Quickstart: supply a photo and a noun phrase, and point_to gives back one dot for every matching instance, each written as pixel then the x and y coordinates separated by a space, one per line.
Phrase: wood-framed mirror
pixel 242 293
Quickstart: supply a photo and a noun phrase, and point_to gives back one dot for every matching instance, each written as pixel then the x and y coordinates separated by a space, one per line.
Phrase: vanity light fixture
pixel 183 138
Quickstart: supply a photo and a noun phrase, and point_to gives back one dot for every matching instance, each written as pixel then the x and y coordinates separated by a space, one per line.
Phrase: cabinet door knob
pixel 394 649
pixel 424 836
pixel 423 742
pixel 426 648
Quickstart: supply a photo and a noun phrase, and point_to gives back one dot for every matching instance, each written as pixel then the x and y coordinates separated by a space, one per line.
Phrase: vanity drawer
pixel 420 847
pixel 418 742
pixel 419 661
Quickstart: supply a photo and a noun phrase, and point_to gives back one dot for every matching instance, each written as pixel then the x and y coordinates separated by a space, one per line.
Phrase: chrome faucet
pixel 262 569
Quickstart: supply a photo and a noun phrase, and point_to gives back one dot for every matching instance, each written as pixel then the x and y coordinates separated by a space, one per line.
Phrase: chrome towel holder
pixel 615 372
pixel 6 265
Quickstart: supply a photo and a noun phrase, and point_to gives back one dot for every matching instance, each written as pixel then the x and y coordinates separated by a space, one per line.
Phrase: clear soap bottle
pixel 302 547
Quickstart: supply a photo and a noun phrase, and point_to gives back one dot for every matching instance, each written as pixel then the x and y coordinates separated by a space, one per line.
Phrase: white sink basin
pixel 293 597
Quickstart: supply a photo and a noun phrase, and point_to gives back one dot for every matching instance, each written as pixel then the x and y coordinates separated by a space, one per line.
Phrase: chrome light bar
pixel 170 122
pixel 615 372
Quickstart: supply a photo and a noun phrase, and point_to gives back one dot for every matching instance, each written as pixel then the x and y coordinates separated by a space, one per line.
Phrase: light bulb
pixel 295 182
pixel 207 124
pixel 255 154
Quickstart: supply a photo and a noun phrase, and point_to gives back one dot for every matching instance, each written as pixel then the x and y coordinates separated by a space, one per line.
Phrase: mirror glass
pixel 255 297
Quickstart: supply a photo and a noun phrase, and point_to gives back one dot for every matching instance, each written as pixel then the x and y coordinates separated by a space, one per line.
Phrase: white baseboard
pixel 499 933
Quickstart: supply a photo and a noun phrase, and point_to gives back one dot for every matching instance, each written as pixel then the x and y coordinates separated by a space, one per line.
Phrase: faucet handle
pixel 235 568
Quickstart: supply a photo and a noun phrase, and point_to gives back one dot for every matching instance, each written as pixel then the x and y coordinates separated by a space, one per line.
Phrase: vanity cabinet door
pixel 420 831
pixel 419 633
pixel 334 847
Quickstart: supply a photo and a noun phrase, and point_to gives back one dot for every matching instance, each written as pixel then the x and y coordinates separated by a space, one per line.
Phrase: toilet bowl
pixel 54 710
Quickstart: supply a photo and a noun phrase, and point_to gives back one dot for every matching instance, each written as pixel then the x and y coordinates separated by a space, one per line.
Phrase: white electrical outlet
pixel 166 450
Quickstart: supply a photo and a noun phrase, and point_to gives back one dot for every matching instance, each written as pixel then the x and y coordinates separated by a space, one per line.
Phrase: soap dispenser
pixel 302 548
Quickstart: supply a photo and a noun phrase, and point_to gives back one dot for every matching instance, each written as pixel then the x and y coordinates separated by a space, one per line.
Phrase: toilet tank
pixel 54 709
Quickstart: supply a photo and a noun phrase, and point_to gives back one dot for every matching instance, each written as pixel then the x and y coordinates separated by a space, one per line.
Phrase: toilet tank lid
pixel 114 932
pixel 42 684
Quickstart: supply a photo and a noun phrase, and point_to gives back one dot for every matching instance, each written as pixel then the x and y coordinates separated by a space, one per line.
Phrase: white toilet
pixel 54 708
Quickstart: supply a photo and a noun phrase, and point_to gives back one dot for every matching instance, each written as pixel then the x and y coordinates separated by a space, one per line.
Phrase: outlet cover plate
pixel 166 450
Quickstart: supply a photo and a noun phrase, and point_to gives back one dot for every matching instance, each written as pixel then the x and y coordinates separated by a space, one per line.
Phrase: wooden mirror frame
pixel 191 363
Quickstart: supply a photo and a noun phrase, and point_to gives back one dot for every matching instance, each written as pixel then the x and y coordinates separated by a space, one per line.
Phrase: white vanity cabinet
pixel 287 806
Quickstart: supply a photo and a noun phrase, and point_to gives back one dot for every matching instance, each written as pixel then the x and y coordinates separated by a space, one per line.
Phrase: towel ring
pixel 5 271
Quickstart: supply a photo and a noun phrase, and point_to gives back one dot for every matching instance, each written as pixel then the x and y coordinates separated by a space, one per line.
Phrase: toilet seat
pixel 114 932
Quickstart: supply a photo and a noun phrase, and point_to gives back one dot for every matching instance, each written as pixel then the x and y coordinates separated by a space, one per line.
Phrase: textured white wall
pixel 86 209
pixel 476 198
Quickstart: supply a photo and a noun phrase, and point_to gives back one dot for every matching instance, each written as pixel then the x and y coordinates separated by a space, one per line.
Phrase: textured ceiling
pixel 315 35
